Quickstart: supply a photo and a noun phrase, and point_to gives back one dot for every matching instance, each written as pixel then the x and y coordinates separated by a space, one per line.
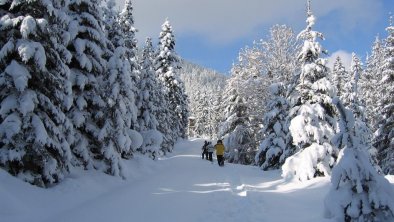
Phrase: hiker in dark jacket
pixel 205 150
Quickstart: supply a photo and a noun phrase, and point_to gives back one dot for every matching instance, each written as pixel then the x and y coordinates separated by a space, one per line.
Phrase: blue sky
pixel 211 32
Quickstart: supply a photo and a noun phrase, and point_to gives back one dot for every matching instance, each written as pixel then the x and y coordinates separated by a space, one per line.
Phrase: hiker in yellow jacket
pixel 219 147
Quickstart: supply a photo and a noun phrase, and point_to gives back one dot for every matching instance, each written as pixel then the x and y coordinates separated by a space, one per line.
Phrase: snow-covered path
pixel 182 187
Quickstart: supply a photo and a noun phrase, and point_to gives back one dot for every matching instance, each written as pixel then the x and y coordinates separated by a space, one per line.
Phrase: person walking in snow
pixel 210 151
pixel 205 150
pixel 219 147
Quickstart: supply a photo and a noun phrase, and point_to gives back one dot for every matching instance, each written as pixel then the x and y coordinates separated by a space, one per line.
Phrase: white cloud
pixel 346 59
pixel 226 21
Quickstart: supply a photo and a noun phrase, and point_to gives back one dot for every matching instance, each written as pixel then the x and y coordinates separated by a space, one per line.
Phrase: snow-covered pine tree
pixel 126 24
pixel 273 149
pixel 339 76
pixel 146 103
pixel 369 83
pixel 313 115
pixel 126 21
pixel 234 128
pixel 350 93
pixel 351 100
pixel 34 91
pixel 162 114
pixel 358 191
pixel 167 68
pixel 89 48
pixel 111 25
pixel 116 133
pixel 384 140
pixel 147 84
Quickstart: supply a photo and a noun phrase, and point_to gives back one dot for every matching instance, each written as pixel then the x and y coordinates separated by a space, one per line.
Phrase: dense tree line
pixel 283 106
pixel 277 102
pixel 261 110
pixel 268 61
pixel 75 92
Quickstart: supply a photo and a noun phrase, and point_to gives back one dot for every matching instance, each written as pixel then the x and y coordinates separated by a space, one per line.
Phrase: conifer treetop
pixel 390 28
pixel 311 49
pixel 310 17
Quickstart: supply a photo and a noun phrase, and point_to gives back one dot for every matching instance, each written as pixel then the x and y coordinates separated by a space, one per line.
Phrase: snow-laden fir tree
pixel 339 75
pixel 165 116
pixel 89 48
pixel 126 26
pixel 162 114
pixel 313 121
pixel 34 91
pixel 352 101
pixel 369 83
pixel 350 93
pixel 274 148
pixel 126 21
pixel 111 25
pixel 167 68
pixel 116 133
pixel 358 191
pixel 235 126
pixel 384 140
pixel 148 86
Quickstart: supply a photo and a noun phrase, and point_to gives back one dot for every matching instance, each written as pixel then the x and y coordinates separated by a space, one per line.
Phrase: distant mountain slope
pixel 198 77
pixel 203 87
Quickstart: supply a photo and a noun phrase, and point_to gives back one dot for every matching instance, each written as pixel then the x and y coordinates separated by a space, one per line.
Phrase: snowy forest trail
pixel 181 187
